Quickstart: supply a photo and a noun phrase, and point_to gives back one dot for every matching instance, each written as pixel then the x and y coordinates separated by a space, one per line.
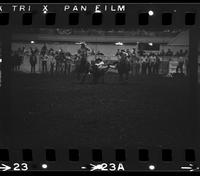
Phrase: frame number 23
pixel 20 167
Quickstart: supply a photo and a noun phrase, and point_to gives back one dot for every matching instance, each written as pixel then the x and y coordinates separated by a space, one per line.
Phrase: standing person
pixel 19 60
pixel 169 53
pixel 130 58
pixel 14 56
pixel 44 49
pixel 180 65
pixel 68 62
pixel 33 61
pixel 148 63
pixel 137 65
pixel 44 59
pixel 62 60
pixel 52 62
pixel 185 52
pixel 181 53
pixel 144 64
pixel 153 63
pixel 57 61
pixel 162 53
pixel 157 65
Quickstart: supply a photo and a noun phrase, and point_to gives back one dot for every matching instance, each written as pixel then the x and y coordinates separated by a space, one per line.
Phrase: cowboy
pixel 52 61
pixel 83 51
pixel 99 63
pixel 44 49
pixel 62 60
pixel 155 61
pixel 157 65
pixel 144 64
pixel 180 64
pixel 44 59
pixel 33 60
pixel 67 61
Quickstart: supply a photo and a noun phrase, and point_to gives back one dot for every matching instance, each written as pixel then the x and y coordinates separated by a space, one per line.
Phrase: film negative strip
pixel 99 87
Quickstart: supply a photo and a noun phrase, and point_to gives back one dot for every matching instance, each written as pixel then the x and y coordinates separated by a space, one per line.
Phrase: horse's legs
pixel 83 77
pixel 120 77
pixel 78 76
pixel 127 75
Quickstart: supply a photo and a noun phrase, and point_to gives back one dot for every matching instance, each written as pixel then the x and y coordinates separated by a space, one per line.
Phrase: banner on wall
pixel 173 65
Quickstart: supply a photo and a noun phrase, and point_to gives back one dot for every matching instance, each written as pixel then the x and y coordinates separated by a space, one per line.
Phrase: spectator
pixel 169 53
pixel 162 53
pixel 186 52
pixel 137 66
pixel 57 58
pixel 157 65
pixel 44 59
pixel 19 60
pixel 180 65
pixel 148 63
pixel 52 61
pixel 177 54
pixel 14 56
pixel 181 53
pixel 144 64
pixel 33 61
pixel 44 49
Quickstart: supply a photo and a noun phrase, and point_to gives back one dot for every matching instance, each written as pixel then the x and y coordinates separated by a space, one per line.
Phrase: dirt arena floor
pixel 56 111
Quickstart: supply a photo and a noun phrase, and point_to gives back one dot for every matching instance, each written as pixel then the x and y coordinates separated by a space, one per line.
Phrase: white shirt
pixel 52 59
pixel 100 64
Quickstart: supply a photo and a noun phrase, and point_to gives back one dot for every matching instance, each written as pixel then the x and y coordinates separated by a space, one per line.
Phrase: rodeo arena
pixel 59 51
pixel 89 87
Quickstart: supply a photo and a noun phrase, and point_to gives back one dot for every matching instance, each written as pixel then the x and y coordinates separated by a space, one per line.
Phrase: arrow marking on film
pixel 5 167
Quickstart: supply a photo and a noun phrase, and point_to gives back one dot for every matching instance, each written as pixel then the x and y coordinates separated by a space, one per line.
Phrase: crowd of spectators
pixel 52 60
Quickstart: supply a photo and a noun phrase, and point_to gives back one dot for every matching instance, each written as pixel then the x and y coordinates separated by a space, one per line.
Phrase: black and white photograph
pixel 81 87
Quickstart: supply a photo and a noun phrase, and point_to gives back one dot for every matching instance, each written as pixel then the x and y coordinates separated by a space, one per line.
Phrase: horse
pixel 123 66
pixel 82 69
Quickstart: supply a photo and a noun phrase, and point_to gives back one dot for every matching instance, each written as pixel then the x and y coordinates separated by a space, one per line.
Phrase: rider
pixel 100 63
pixel 83 52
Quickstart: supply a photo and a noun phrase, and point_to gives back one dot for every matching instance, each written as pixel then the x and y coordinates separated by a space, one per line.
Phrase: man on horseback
pixel 83 51
pixel 83 65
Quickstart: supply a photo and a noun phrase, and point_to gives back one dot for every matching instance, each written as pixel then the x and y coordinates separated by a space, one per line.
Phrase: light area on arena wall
pixel 44 166
pixel 119 43
pixel 150 44
pixel 152 167
pixel 150 12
